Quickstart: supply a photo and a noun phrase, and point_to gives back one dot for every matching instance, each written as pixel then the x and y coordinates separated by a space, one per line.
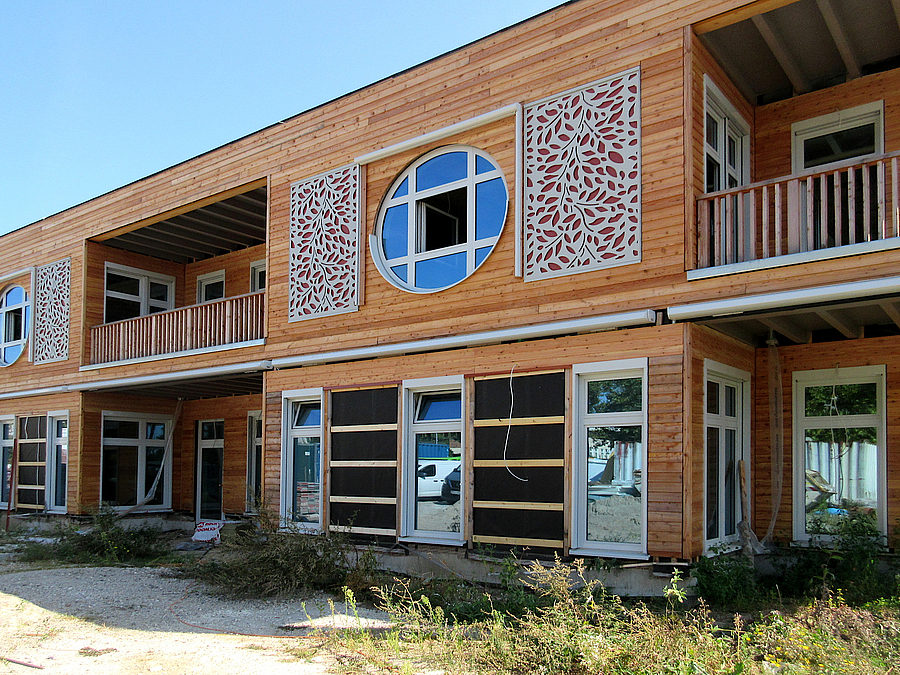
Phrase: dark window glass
pixel 612 396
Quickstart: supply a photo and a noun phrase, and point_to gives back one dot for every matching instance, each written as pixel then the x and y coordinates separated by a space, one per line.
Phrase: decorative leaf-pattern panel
pixel 51 311
pixel 583 178
pixel 324 252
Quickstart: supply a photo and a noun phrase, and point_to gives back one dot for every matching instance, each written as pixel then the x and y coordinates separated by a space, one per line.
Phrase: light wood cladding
pixel 237 272
pixel 705 343
pixel 662 344
pixel 773 121
pixel 846 354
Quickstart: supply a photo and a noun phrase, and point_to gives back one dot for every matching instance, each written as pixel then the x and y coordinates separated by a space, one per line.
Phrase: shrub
pixel 287 564
pixel 726 581
pixel 105 542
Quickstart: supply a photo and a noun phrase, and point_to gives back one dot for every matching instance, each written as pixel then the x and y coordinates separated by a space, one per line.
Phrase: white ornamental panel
pixel 51 311
pixel 582 202
pixel 324 252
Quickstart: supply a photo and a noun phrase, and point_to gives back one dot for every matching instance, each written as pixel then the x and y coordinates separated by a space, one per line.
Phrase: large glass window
pixel 725 443
pixel 7 435
pixel 133 453
pixel 609 486
pixel 839 431
pixel 302 470
pixel 838 136
pixel 130 293
pixel 57 460
pixel 211 287
pixel 440 220
pixel 254 461
pixel 434 458
pixel 15 313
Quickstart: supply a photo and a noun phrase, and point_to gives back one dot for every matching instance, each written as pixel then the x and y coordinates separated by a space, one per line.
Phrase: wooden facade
pixel 306 338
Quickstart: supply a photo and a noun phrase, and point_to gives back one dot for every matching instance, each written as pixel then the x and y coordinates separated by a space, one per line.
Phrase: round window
pixel 440 220
pixel 14 317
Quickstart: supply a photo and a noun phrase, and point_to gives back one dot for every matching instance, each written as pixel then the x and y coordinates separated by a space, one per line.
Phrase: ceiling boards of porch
pixel 803 325
pixel 210 230
pixel 805 45
pixel 208 387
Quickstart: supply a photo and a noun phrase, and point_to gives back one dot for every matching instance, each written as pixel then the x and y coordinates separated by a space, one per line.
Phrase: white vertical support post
pixel 518 215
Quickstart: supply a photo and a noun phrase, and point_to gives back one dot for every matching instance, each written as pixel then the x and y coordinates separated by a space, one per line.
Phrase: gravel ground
pixel 105 620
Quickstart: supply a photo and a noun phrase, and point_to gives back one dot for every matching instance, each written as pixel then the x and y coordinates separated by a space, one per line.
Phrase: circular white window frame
pixel 25 307
pixel 413 196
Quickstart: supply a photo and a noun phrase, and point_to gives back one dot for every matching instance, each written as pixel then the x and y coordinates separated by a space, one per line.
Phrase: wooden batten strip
pixel 366 387
pixel 518 506
pixel 500 463
pixel 516 541
pixel 521 421
pixel 347 499
pixel 363 530
pixel 363 464
pixel 351 428
pixel 516 373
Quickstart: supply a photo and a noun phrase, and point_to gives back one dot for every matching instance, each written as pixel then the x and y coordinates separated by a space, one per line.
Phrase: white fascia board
pixel 587 325
pixel 855 290
pixel 438 134
pixel 251 367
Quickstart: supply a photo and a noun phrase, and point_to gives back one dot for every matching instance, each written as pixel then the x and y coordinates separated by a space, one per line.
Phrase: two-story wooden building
pixel 550 289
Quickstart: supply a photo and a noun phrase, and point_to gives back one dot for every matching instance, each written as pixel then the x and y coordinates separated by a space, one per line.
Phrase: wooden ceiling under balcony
pixel 198 232
pixel 800 46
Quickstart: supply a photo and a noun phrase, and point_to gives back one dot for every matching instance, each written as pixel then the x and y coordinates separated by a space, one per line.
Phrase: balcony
pixel 229 322
pixel 849 208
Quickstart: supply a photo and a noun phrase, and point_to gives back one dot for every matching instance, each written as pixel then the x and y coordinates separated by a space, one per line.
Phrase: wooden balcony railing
pixel 212 324
pixel 850 203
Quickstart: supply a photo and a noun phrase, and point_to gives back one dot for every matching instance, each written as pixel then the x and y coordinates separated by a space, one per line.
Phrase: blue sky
pixel 95 94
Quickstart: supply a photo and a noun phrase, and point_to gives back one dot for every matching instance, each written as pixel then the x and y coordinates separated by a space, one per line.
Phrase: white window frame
pixel 732 124
pixel 833 122
pixel 208 444
pixel 256 267
pixel 741 380
pixel 141 444
pixel 411 388
pixel 53 440
pixel 144 278
pixel 10 444
pixel 413 199
pixel 253 470
pixel 288 398
pixel 827 377
pixel 582 374
pixel 209 279
pixel 25 308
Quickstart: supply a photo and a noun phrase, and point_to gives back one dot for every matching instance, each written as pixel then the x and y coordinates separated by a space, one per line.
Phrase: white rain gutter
pixel 855 290
pixel 213 371
pixel 438 134
pixel 588 325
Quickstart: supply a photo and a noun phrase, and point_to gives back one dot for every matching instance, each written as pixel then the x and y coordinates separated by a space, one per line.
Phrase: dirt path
pixel 105 620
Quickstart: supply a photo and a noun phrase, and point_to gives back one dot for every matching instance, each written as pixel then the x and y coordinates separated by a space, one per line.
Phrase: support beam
pixel 781 54
pixel 840 323
pixel 788 328
pixel 889 307
pixel 740 14
pixel 840 38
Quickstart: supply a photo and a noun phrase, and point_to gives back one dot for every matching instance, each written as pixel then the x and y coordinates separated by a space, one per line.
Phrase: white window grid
pixel 142 444
pixel 802 380
pixel 413 197
pixel 148 305
pixel 412 391
pixel 290 431
pixel 582 375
